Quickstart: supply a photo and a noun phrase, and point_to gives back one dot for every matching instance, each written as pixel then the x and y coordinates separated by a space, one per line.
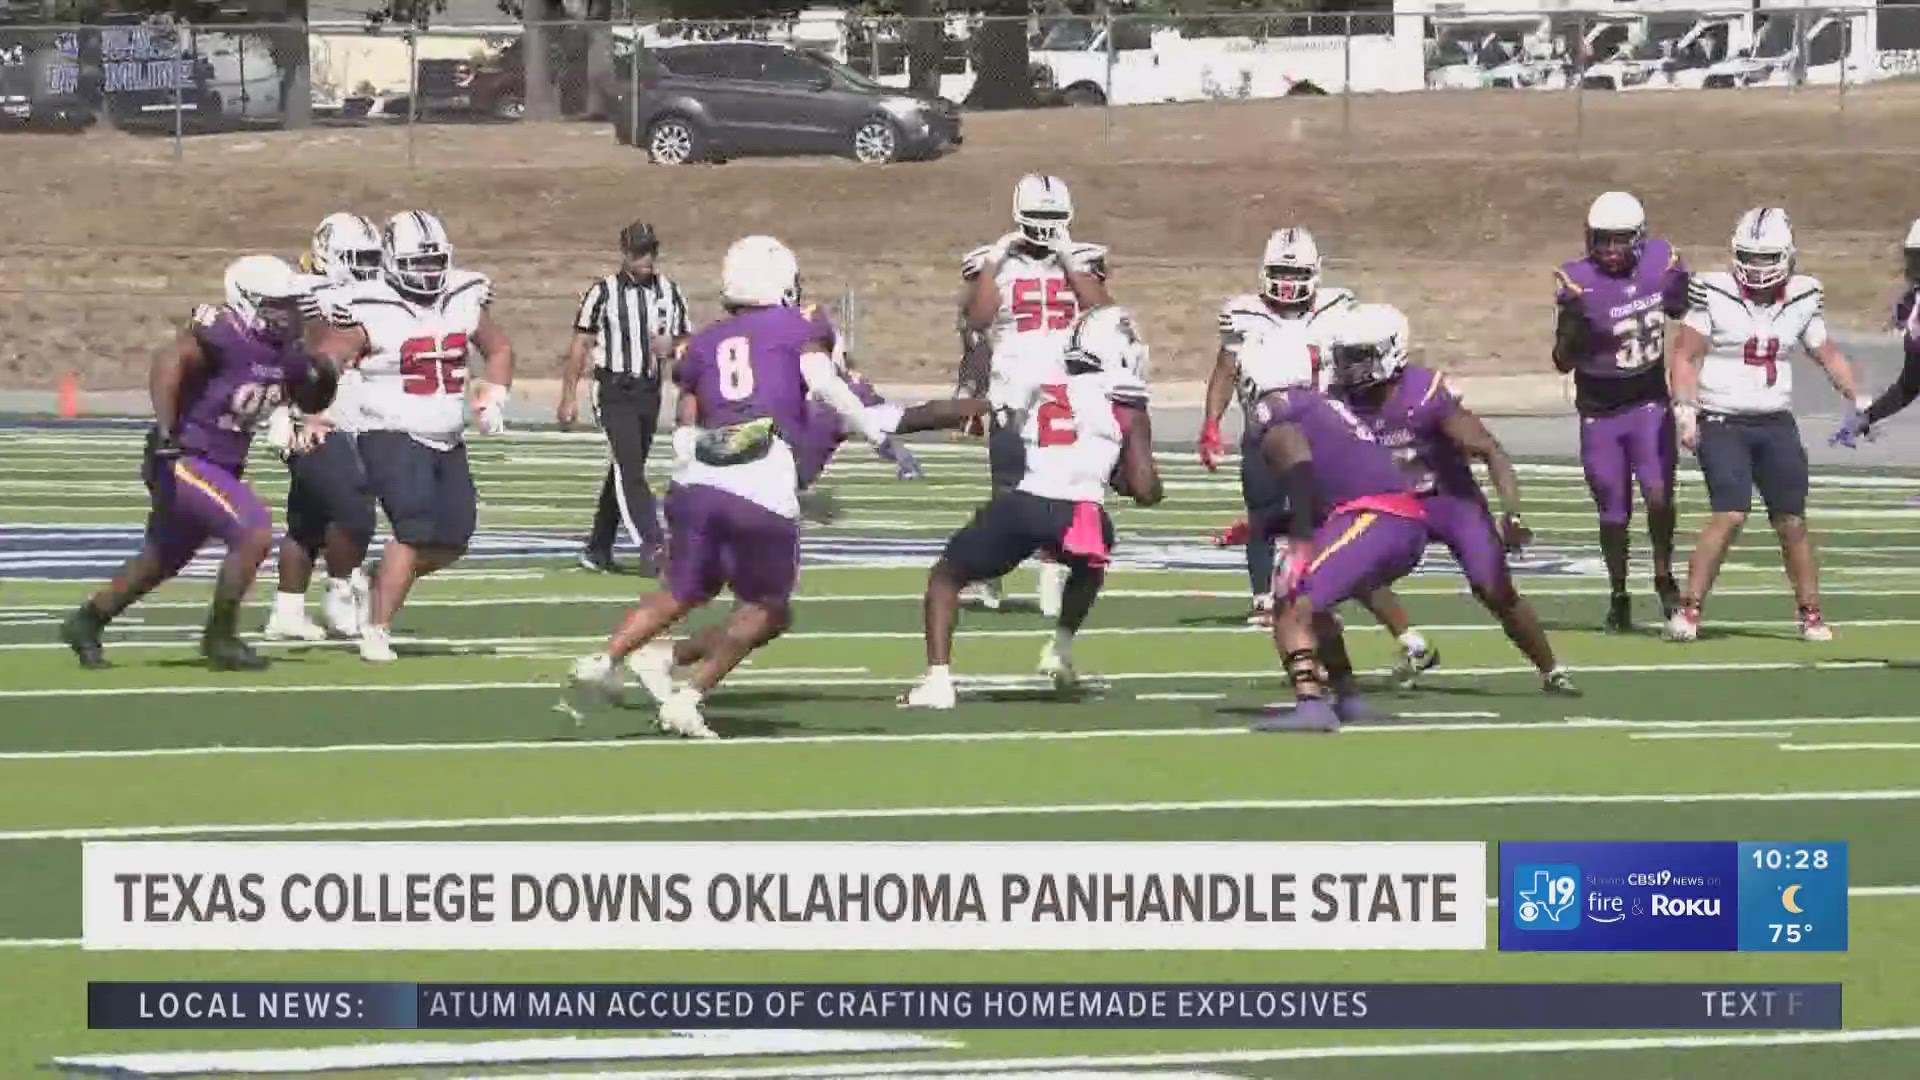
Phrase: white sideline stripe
pixel 1709 734
pixel 1178 697
pixel 881 813
pixel 534 640
pixel 1493 902
pixel 1253 1057
pixel 675 745
pixel 1851 746
pixel 967 683
pixel 522 1052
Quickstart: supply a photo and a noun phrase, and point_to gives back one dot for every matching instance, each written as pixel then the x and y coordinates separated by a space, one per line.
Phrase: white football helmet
pixel 264 293
pixel 1616 229
pixel 1042 207
pixel 759 271
pixel 346 247
pixel 1290 267
pixel 415 253
pixel 1369 345
pixel 1106 339
pixel 1763 249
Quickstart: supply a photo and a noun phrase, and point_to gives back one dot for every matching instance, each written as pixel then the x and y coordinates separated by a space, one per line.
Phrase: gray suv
pixel 708 102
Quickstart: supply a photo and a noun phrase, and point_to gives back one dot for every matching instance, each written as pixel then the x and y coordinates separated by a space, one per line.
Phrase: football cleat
pixel 228 653
pixel 930 693
pixel 1813 627
pixel 1353 709
pixel 653 666
pixel 599 676
pixel 81 632
pixel 1261 611
pixel 1058 668
pixel 376 644
pixel 1559 682
pixel 1669 593
pixel 1052 588
pixel 340 611
pixel 1307 714
pixel 1232 536
pixel 597 561
pixel 680 715
pixel 986 594
pixel 288 626
pixel 1619 614
pixel 1411 665
pixel 1685 624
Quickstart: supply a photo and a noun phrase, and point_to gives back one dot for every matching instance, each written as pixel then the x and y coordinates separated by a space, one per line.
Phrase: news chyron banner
pixel 1673 897
pixel 763 896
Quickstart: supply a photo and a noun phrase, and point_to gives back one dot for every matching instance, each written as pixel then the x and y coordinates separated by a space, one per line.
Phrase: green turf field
pixel 1747 734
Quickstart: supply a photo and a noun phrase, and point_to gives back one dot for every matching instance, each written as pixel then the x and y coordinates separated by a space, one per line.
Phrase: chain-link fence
pixel 178 79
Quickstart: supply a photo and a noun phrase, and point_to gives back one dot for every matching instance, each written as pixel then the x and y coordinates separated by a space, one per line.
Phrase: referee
pixel 631 324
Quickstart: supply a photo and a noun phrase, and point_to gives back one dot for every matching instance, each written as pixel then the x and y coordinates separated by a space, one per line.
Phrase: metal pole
pixel 413 88
pixel 1106 92
pixel 1346 78
pixel 1578 70
pixel 179 54
pixel 633 79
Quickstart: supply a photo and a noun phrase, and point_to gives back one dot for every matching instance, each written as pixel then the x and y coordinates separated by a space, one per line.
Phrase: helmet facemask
pixel 1289 283
pixel 1616 251
pixel 1759 269
pixel 1911 263
pixel 1361 364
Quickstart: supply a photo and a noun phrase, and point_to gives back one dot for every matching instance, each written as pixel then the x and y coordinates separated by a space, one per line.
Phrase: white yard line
pixel 1254 1057
pixel 979 682
pixel 883 813
pixel 1851 746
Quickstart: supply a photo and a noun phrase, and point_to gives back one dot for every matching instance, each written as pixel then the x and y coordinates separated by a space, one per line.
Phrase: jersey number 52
pixel 1042 303
pixel 434 365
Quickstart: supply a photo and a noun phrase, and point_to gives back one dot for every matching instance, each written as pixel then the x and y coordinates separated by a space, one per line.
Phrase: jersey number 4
pixel 1043 303
pixel 434 365
pixel 1763 352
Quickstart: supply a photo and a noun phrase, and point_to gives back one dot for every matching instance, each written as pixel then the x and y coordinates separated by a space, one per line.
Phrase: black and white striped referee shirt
pixel 624 316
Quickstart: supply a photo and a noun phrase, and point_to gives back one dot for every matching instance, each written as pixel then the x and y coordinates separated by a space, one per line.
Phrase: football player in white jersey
pixel 1733 395
pixel 1024 292
pixel 1083 433
pixel 329 509
pixel 412 329
pixel 1271 340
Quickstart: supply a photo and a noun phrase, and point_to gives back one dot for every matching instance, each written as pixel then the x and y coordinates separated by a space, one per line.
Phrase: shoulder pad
pixel 1803 283
pixel 1335 297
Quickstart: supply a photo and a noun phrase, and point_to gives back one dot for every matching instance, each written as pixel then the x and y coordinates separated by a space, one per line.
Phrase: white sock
pixel 1063 643
pixel 289 605
pixel 340 586
pixel 939 673
pixel 1413 642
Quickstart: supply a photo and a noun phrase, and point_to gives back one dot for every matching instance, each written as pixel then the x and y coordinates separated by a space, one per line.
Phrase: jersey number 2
pixel 1055 417
pixel 1763 352
pixel 1043 303
pixel 434 365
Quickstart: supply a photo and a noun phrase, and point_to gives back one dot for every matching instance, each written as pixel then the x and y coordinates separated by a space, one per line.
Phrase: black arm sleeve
pixel 1904 389
pixel 1303 503
pixel 315 392
pixel 1570 329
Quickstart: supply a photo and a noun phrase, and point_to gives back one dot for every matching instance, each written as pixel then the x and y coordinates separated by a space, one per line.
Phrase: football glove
pixel 1514 534
pixel 685 439
pixel 1855 427
pixel 1291 568
pixel 490 411
pixel 1212 446
pixel 280 431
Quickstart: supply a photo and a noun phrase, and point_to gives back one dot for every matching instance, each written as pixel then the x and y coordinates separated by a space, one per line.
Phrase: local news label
pixel 1672 896
pixel 752 896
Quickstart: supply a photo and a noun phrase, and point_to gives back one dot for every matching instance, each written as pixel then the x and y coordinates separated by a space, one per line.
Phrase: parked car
pixel 494 86
pixel 709 101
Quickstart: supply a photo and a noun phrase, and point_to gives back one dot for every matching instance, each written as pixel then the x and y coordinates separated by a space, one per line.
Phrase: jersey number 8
pixel 434 366
pixel 734 358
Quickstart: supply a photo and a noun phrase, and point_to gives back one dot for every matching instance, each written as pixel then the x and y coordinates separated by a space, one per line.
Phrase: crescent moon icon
pixel 1786 899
